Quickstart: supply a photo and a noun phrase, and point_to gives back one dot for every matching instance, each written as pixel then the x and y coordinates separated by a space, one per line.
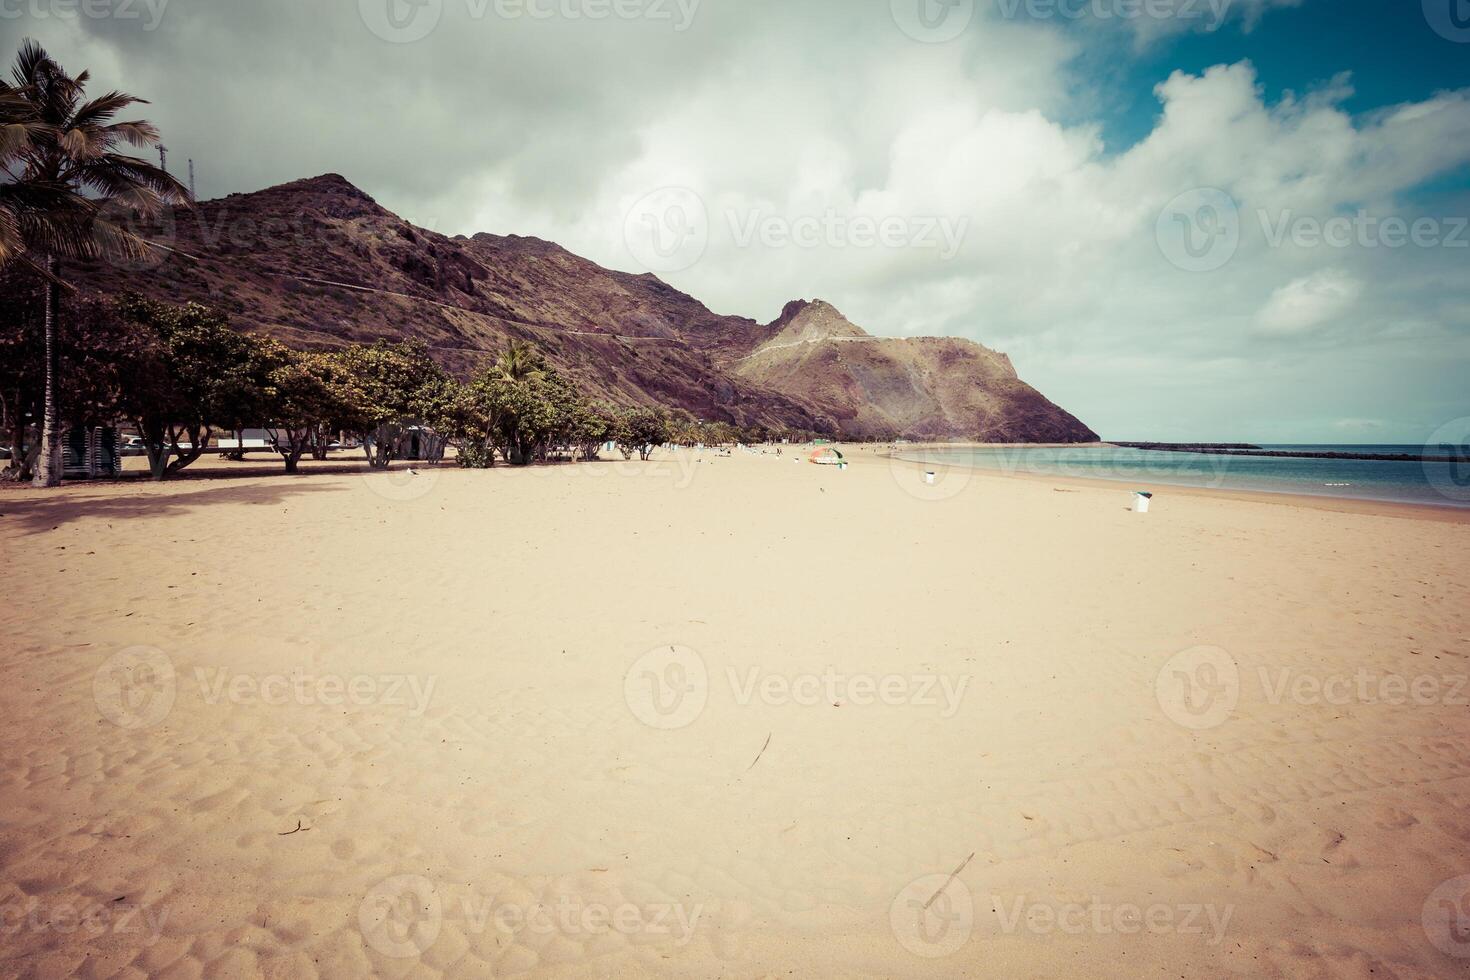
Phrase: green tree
pixel 468 415
pixel 385 390
pixel 30 209
pixel 528 415
pixel 591 426
pixel 642 431
pixel 518 407
pixel 64 179
pixel 684 429
pixel 188 375
pixel 522 389
pixel 521 361
pixel 92 343
pixel 524 410
pixel 302 393
pixel 719 434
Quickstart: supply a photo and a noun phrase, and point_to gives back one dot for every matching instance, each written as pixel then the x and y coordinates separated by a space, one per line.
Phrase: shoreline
pixel 1445 513
pixel 1205 449
pixel 211 469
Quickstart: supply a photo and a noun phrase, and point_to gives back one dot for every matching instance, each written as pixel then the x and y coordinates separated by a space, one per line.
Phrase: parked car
pixel 132 447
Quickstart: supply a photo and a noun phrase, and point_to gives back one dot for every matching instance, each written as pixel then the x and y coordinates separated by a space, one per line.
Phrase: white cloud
pixel 1151 21
pixel 1309 302
pixel 1359 425
pixel 798 111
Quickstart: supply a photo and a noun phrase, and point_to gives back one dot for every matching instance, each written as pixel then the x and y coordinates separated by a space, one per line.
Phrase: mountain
pixel 319 263
pixel 923 387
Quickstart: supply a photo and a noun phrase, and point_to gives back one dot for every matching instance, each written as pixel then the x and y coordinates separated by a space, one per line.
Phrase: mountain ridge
pixel 318 262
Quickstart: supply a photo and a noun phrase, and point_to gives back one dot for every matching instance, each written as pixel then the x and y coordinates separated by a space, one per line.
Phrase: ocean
pixel 1444 483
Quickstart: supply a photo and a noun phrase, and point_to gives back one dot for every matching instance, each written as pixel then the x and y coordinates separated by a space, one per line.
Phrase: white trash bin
pixel 1141 499
pixel 929 477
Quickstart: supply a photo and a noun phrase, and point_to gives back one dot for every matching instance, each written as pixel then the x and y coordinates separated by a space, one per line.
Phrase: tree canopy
pixel 181 375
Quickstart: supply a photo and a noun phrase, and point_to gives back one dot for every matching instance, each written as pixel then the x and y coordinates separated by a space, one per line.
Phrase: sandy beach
pixel 728 716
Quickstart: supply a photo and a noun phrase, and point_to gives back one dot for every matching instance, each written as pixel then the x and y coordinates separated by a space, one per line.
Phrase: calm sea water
pixel 1443 483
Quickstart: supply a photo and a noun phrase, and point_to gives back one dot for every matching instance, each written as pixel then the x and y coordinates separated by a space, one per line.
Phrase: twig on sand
pixel 298 830
pixel 952 875
pixel 760 753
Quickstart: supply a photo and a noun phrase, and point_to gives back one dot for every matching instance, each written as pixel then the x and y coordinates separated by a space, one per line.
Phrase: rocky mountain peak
pixel 330 195
pixel 803 321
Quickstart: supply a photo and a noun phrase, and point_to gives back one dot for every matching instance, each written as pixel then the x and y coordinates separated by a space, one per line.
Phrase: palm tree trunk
pixel 48 470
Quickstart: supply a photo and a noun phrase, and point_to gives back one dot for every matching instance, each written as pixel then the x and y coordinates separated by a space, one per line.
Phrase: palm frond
pixel 30 63
pixel 112 240
pixel 16 138
pixel 113 173
pixel 79 144
pixel 138 132
pixel 52 235
pixel 70 195
pixel 100 111
pixel 12 242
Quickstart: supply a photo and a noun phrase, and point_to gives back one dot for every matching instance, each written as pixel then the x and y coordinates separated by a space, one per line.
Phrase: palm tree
pixel 24 205
pixel 520 362
pixel 63 180
pixel 17 128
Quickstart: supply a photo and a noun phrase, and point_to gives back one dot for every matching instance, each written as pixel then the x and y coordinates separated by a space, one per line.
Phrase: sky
pixel 1214 220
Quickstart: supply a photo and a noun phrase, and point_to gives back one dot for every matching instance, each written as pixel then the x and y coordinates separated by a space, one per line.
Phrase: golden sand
pixel 728 717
